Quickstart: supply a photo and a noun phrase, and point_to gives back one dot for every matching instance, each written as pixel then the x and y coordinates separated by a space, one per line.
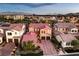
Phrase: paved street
pixel 48 48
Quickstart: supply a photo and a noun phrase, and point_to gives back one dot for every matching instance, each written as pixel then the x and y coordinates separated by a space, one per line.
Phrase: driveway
pixel 7 49
pixel 48 48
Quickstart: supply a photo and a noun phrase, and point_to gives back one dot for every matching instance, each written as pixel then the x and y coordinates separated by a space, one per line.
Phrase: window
pixel 68 43
pixel 72 30
pixel 42 31
pixel 15 32
pixel 48 38
pixel 63 29
pixel 75 31
pixel 9 33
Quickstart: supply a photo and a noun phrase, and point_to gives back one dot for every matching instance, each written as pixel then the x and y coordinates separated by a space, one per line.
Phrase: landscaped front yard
pixel 29 49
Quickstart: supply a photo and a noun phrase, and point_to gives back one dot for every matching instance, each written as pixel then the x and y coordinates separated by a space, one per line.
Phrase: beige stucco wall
pixel 18 17
pixel 31 29
pixel 45 33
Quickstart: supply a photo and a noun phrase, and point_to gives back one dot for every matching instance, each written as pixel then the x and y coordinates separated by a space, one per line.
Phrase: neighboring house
pixel 1 38
pixel 3 27
pixel 11 32
pixel 15 32
pixel 8 17
pixel 74 20
pixel 15 17
pixel 18 17
pixel 53 18
pixel 66 28
pixel 65 39
pixel 41 18
pixel 61 19
pixel 44 31
pixel 30 36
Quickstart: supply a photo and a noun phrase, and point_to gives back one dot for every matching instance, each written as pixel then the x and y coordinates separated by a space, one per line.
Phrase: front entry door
pixel 16 42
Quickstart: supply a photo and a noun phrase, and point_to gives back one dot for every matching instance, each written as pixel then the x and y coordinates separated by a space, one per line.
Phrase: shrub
pixel 75 43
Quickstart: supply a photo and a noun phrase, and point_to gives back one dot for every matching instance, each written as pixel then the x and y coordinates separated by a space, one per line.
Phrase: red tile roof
pixel 17 27
pixel 67 37
pixel 39 25
pixel 30 36
pixel 65 25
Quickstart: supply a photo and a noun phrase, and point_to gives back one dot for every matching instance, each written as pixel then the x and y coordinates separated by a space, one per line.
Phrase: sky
pixel 40 8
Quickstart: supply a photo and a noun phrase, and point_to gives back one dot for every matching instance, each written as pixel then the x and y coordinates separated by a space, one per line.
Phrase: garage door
pixel 10 40
pixel 43 38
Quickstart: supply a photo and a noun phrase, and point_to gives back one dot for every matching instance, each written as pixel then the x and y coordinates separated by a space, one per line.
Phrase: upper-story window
pixel 74 31
pixel 43 32
pixel 15 32
pixel 9 33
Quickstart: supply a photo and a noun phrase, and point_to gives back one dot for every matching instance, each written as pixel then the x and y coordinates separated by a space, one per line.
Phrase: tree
pixel 26 20
pixel 42 21
pixel 28 46
pixel 29 49
pixel 75 43
pixel 66 20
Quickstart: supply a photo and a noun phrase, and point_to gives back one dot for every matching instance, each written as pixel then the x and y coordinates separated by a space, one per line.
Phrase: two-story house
pixel 14 33
pixel 18 17
pixel 44 31
pixel 74 19
pixel 61 19
pixel 65 39
pixel 66 28
pixel 1 37
pixel 15 17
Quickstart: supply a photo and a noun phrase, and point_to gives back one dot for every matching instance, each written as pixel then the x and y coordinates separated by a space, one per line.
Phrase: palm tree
pixel 28 46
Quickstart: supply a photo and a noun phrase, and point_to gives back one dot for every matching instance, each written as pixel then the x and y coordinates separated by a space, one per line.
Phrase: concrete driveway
pixel 48 48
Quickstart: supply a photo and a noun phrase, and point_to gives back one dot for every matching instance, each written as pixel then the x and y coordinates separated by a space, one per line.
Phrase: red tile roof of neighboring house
pixel 65 25
pixel 30 36
pixel 67 37
pixel 17 27
pixel 39 25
